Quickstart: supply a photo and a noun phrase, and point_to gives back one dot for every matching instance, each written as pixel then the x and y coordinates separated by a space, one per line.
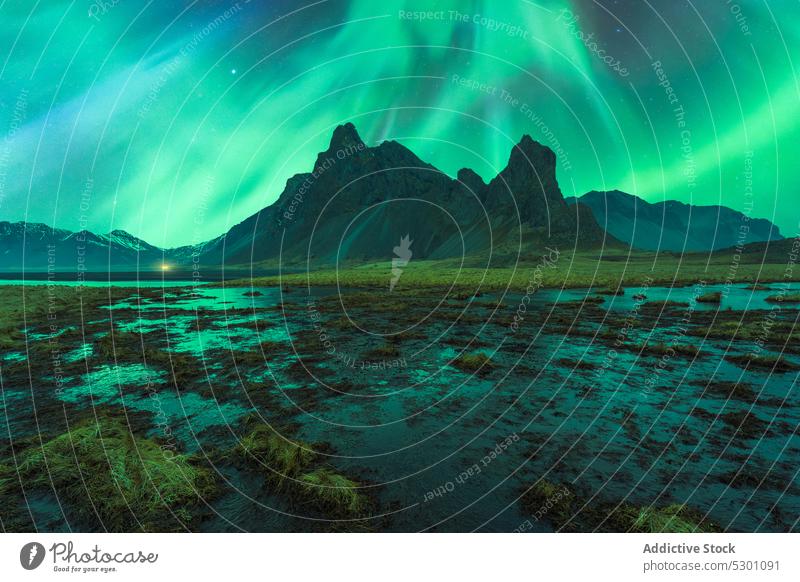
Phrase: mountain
pixel 358 202
pixel 35 247
pixel 672 225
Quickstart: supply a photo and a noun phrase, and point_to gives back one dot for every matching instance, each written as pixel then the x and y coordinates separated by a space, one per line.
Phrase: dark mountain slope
pixel 358 202
pixel 674 226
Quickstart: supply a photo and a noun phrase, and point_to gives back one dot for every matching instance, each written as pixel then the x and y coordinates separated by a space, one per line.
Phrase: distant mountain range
pixel 358 202
pixel 36 247
pixel 674 226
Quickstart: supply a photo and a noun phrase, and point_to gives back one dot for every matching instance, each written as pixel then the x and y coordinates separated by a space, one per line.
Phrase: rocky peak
pixel 344 136
pixel 345 143
pixel 531 160
pixel 528 185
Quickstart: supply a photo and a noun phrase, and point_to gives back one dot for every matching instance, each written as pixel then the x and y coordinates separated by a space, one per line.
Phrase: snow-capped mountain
pixel 36 247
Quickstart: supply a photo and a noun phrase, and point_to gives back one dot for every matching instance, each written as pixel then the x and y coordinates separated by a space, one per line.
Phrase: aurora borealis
pixel 177 120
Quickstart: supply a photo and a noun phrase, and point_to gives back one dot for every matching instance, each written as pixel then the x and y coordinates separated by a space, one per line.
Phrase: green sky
pixel 176 120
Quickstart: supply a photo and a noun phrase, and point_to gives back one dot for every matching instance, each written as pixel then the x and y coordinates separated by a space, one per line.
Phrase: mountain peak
pixel 345 142
pixel 532 164
pixel 126 239
pixel 528 151
pixel 120 233
pixel 345 136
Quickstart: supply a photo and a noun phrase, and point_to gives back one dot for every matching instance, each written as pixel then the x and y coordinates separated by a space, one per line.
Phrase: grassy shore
pixel 606 271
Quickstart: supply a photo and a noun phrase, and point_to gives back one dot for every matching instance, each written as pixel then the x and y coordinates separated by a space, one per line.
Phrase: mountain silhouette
pixel 673 225
pixel 358 201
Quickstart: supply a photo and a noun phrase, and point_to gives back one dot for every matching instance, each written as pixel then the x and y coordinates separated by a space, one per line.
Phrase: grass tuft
pixel 791 298
pixel 478 362
pixel 332 493
pixel 559 504
pixel 713 297
pixel 123 481
pixel 281 457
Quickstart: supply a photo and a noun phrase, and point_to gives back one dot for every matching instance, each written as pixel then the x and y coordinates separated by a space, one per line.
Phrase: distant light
pixel 164 267
pixel 233 71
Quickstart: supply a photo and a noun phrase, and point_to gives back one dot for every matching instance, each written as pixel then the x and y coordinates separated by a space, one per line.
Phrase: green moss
pixel 763 361
pixel 576 364
pixel 561 506
pixel 713 297
pixel 119 345
pixel 7 479
pixel 123 481
pixel 386 351
pixel 548 500
pixel 674 518
pixel 579 269
pixel 478 362
pixel 11 338
pixel 660 349
pixel 733 390
pixel 781 334
pixel 791 298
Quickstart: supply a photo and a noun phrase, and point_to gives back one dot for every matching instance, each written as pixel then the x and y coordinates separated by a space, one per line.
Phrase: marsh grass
pixel 463 339
pixel 661 349
pixel 549 500
pixel 559 504
pixel 578 269
pixel 778 333
pixel 11 338
pixel 386 351
pixel 763 361
pixel 124 482
pixel 131 347
pixel 278 456
pixel 332 493
pixel 293 468
pixel 675 518
pixel 577 364
pixel 729 390
pixel 745 424
pixel 713 297
pixel 477 362
pixel 790 298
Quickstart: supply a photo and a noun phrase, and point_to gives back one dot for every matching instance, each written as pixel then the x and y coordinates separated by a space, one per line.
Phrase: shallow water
pixel 133 283
pixel 618 424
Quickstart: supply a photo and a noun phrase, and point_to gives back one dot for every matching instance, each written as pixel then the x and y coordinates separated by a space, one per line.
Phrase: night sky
pixel 175 120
